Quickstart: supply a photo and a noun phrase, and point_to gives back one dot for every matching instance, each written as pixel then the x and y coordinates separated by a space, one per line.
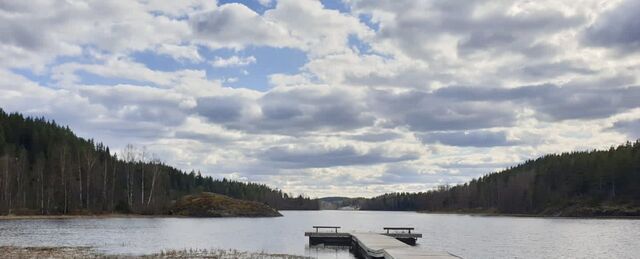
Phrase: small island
pixel 208 204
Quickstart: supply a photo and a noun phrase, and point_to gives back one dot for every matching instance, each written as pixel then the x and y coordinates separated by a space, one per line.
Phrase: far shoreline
pixel 87 216
pixel 107 216
pixel 489 214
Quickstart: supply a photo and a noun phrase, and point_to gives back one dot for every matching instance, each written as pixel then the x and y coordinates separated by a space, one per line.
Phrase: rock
pixel 208 204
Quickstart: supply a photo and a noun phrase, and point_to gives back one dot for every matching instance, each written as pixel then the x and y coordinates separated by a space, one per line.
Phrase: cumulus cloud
pixel 236 26
pixel 469 138
pixel 319 157
pixel 376 136
pixel 630 128
pixel 473 25
pixel 556 102
pixel 618 28
pixel 35 33
pixel 290 111
pixel 387 95
pixel 265 2
pixel 422 111
pixel 233 61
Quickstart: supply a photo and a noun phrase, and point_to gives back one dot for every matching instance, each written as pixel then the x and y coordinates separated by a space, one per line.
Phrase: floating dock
pixel 395 243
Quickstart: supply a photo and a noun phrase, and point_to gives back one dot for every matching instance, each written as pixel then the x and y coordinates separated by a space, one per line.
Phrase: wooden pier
pixel 395 243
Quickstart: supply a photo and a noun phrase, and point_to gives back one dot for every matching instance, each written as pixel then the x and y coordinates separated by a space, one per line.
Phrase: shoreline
pixel 490 214
pixel 95 216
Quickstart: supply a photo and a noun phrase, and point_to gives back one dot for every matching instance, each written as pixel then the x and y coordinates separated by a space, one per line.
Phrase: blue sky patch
pixel 268 61
pixel 367 19
pixel 252 4
pixel 93 79
pixel 338 5
pixel 355 42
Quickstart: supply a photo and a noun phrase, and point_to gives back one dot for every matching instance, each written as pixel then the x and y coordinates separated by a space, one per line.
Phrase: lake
pixel 462 235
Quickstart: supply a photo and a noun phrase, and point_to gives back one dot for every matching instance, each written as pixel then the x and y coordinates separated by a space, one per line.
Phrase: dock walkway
pixel 378 245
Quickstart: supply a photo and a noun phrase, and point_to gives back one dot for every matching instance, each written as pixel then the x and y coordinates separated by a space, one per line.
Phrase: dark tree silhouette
pixel 589 183
pixel 46 169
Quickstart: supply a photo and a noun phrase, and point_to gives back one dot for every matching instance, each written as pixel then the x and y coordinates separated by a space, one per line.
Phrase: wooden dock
pixel 389 245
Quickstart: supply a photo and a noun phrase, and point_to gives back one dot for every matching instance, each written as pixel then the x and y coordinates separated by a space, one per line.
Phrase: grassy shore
pixel 87 252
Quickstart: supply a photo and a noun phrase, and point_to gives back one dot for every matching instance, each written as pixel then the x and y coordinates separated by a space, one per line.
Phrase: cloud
pixel 289 111
pixel 223 109
pixel 265 2
pixel 553 102
pixel 407 174
pixel 233 61
pixel 237 26
pixel 425 112
pixel 617 28
pixel 300 24
pixel 140 104
pixel 631 128
pixel 501 26
pixel 320 157
pixel 36 33
pixel 480 138
pixel 552 70
pixel 383 95
pixel 180 53
pixel 376 136
pixel 318 30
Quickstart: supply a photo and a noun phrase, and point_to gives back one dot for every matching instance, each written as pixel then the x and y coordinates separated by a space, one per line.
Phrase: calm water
pixel 466 236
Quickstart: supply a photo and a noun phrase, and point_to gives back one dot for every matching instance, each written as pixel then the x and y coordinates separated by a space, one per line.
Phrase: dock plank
pixel 382 246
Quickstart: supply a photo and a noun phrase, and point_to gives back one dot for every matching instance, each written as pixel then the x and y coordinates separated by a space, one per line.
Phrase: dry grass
pixel 87 252
pixel 220 254
pixel 47 252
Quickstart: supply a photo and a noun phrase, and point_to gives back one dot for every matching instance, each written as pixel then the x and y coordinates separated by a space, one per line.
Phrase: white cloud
pixel 180 52
pixel 265 2
pixel 428 93
pixel 233 61
pixel 237 26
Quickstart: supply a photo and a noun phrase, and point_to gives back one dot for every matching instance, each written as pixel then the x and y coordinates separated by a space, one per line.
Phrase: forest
pixel 588 183
pixel 46 169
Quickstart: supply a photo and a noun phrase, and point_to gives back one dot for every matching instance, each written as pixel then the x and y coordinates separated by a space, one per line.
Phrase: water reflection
pixel 322 251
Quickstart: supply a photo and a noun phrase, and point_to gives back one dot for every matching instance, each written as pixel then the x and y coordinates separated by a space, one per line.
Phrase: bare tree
pixel 129 156
pixel 5 182
pixel 39 170
pixel 90 159
pixel 143 160
pixel 113 182
pixel 104 182
pixel 156 167
pixel 63 161
pixel 79 178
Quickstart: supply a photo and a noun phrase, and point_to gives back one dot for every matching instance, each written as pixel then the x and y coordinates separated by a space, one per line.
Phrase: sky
pixel 335 97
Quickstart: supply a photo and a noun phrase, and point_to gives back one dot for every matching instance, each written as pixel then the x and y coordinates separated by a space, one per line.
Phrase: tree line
pixel 46 169
pixel 587 182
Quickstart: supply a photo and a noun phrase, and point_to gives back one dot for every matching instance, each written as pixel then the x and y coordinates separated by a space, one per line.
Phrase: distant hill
pixel 46 169
pixel 589 183
pixel 334 203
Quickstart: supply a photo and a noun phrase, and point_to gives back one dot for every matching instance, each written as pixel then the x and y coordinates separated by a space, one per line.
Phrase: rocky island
pixel 208 204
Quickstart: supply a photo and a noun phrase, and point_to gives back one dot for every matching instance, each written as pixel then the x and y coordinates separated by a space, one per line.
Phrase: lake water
pixel 462 235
